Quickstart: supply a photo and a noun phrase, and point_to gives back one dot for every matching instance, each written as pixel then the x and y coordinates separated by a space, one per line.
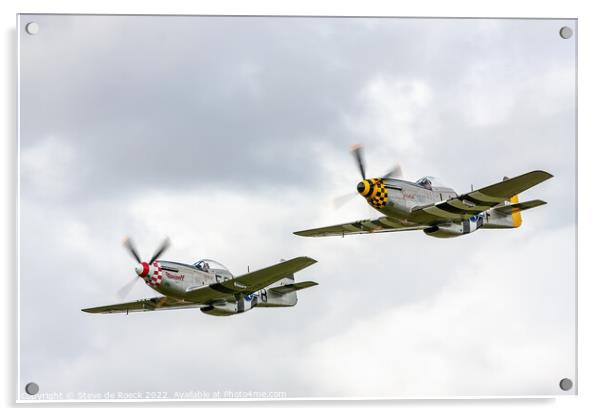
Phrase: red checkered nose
pixel 142 269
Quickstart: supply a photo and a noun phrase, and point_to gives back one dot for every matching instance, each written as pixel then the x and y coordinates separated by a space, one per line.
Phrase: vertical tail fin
pixel 517 219
pixel 277 294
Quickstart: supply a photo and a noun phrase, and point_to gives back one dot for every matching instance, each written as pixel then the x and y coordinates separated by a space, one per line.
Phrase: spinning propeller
pixel 142 268
pixel 357 151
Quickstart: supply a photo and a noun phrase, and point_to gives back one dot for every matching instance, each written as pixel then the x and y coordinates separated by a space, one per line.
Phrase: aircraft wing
pixel 379 225
pixel 472 203
pixel 144 305
pixel 250 282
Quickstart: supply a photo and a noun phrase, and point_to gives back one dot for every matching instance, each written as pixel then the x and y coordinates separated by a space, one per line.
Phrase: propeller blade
pixel 128 244
pixel 160 251
pixel 358 153
pixel 339 201
pixel 125 290
pixel 395 172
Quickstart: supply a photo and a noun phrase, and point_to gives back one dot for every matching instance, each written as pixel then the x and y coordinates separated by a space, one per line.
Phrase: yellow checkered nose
pixel 374 191
pixel 363 188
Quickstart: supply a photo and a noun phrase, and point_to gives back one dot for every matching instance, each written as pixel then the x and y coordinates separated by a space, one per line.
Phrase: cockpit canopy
pixel 429 182
pixel 208 264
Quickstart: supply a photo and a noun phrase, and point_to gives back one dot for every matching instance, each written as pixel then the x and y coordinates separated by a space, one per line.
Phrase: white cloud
pixel 389 106
pixel 481 83
pixel 48 168
pixel 496 328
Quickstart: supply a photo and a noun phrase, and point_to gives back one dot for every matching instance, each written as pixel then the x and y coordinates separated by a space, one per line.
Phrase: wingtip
pixel 548 175
pixel 309 259
pixel 305 259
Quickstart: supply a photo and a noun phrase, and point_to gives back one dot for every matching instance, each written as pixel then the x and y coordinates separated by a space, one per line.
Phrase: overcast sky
pixel 228 134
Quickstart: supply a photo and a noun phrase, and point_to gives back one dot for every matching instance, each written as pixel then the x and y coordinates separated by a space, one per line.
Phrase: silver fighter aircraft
pixel 209 286
pixel 432 207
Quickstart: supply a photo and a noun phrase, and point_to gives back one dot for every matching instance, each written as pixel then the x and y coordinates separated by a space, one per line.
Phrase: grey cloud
pixel 181 101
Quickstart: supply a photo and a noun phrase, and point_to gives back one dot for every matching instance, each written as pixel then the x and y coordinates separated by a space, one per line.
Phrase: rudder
pixel 517 218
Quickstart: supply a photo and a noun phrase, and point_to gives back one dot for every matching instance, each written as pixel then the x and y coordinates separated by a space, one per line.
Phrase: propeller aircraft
pixel 210 286
pixel 434 208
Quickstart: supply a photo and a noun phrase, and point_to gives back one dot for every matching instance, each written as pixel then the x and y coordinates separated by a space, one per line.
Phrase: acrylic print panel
pixel 228 134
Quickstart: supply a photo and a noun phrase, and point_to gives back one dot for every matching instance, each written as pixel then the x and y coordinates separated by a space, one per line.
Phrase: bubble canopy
pixel 208 264
pixel 430 182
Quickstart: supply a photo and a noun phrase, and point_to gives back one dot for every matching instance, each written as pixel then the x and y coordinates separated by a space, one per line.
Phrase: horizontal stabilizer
pixel 282 290
pixel 521 206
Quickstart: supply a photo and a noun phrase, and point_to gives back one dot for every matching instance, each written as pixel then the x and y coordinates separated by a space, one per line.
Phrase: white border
pixel 590 287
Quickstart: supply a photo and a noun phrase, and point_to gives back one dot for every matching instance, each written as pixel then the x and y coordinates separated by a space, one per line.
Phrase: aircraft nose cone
pixel 361 187
pixel 142 269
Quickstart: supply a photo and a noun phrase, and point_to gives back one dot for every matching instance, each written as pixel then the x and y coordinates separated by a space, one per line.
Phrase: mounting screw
pixel 566 32
pixel 32 28
pixel 566 384
pixel 32 389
